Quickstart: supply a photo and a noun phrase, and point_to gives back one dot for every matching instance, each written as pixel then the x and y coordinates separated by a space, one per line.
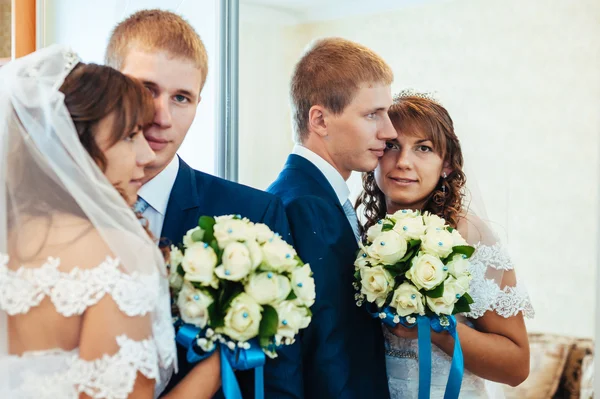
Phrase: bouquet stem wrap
pixel 425 325
pixel 237 359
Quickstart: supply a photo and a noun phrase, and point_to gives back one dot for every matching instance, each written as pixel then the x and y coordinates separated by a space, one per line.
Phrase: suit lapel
pixel 183 205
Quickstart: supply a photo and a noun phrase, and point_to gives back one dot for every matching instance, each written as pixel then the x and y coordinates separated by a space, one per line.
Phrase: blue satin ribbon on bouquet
pixel 425 325
pixel 237 359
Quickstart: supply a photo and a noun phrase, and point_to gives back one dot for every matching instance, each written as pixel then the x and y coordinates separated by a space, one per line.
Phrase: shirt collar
pixel 158 190
pixel 331 174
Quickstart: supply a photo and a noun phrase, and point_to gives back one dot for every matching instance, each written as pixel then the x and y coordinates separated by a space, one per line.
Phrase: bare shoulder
pixel 475 230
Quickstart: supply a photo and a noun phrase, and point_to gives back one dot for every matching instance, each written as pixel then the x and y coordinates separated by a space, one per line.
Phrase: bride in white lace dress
pixel 84 301
pixel 422 169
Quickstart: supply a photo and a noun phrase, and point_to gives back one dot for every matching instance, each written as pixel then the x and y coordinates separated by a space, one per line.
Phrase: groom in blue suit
pixel 340 94
pixel 163 51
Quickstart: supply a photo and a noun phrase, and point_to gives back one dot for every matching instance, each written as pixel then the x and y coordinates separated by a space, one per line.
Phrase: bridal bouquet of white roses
pixel 413 264
pixel 240 285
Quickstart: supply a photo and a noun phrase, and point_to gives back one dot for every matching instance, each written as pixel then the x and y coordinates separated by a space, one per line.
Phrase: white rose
pixel 193 305
pixel 268 288
pixel 433 221
pixel 255 253
pixel 362 259
pixel 279 255
pixel 427 271
pixel 175 257
pixel 237 262
pixel 410 228
pixel 405 213
pixel 389 248
pixel 445 304
pixel 199 263
pixel 175 280
pixel 458 266
pixel 304 285
pixel 292 319
pixel 187 239
pixel 263 233
pixel 408 300
pixel 374 231
pixel 376 284
pixel 437 242
pixel 242 320
pixel 458 240
pixel 232 230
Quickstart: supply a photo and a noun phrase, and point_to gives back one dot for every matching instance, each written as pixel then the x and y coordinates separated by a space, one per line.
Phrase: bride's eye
pixel 424 148
pixel 390 146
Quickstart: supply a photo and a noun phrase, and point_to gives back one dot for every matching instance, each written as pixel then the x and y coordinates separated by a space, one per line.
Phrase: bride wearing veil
pixel 84 300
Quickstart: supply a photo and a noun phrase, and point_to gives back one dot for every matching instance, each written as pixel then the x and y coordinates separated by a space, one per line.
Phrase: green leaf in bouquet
pixel 228 293
pixel 217 318
pixel 397 269
pixel 465 250
pixel 462 306
pixel 409 254
pixel 180 270
pixel 357 275
pixel 468 298
pixel 264 342
pixel 291 296
pixel 215 246
pixel 437 292
pixel 413 244
pixel 269 322
pixel 387 227
pixel 309 313
pixel 297 258
pixel 207 224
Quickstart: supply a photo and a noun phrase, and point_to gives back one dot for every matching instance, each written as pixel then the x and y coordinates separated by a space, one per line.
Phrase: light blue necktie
pixel 140 205
pixel 351 215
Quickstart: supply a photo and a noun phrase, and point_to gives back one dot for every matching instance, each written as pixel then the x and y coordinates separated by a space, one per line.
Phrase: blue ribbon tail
pixel 456 368
pixel 186 337
pixel 259 383
pixel 424 339
pixel 229 384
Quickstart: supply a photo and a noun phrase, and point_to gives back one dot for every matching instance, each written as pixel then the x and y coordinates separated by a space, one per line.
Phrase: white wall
pixel 86 27
pixel 521 82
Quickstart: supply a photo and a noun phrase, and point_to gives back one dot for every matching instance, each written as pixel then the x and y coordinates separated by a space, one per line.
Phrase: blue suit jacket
pixel 195 194
pixel 342 349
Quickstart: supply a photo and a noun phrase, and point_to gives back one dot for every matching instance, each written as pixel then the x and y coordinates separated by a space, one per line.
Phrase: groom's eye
pixel 181 99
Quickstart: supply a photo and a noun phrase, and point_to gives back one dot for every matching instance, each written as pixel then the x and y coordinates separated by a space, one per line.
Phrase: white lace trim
pixel 114 376
pixel 487 294
pixel 73 292
pixel 110 377
pixel 494 256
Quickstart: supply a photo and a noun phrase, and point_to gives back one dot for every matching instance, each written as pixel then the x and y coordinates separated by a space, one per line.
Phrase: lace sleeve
pixel 494 286
pixel 107 336
pixel 506 300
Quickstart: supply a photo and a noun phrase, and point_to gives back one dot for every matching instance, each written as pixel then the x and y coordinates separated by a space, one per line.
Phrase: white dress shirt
pixel 156 193
pixel 331 174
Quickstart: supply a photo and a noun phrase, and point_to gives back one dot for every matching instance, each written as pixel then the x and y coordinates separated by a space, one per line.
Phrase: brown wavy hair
pixel 91 93
pixel 418 115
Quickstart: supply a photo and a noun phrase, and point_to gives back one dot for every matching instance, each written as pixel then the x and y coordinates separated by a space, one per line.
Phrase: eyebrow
pixel 422 141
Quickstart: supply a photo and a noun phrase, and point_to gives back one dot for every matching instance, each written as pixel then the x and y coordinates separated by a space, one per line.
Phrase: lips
pixel 378 152
pixel 156 143
pixel 403 180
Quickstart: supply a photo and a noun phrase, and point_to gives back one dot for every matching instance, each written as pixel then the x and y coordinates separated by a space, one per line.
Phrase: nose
pixel 387 130
pixel 144 154
pixel 162 112
pixel 403 162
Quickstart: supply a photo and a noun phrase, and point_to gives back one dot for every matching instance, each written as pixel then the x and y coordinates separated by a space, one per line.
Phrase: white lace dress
pixel 402 354
pixel 61 373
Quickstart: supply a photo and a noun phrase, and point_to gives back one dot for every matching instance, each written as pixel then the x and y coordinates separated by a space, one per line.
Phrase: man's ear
pixel 317 120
